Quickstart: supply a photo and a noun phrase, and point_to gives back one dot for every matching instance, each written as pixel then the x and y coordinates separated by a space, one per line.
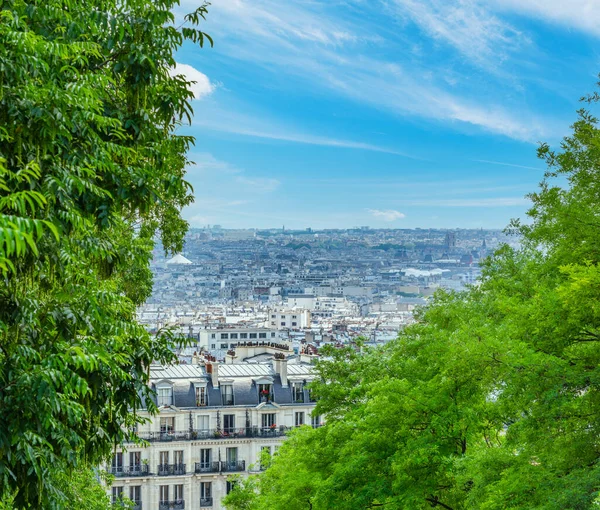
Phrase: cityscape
pixel 299 255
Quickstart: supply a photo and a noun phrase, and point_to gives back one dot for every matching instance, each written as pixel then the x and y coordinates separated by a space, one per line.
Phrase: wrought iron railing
pixel 233 466
pixel 206 467
pixel 204 502
pixel 171 469
pixel 172 505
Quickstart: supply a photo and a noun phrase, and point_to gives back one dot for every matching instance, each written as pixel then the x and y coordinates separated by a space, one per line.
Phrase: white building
pixel 214 421
pixel 289 319
pixel 223 335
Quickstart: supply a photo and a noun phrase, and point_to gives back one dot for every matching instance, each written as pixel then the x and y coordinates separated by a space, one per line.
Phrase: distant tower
pixel 450 241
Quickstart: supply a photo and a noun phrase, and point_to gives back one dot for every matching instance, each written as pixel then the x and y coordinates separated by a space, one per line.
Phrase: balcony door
pixel 203 425
pixel 231 457
pixel 164 458
pixel 164 494
pixel 117 463
pixel 135 461
pixel 205 458
pixel 229 423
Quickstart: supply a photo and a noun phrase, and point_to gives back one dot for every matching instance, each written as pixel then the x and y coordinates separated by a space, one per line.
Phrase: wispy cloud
pixel 579 14
pixel 387 215
pixel 305 41
pixel 259 184
pixel 506 164
pixel 470 202
pixel 467 25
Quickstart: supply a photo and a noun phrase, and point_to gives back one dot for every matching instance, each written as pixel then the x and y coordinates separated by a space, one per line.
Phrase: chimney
pixel 281 370
pixel 212 368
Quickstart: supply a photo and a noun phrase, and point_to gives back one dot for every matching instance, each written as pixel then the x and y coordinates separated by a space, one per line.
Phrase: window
pixel 135 461
pixel 163 458
pixel 204 425
pixel 164 396
pixel 224 346
pixel 212 335
pixel 205 458
pixel 227 392
pixel 265 392
pixel 201 399
pixel 224 336
pixel 262 335
pixel 283 323
pixel 268 421
pixel 135 494
pixel 231 456
pixel 230 485
pixel 117 494
pixel 117 463
pixel 298 392
pixel 205 490
pixel 229 423
pixel 294 317
pixel 233 336
pixel 273 316
pixel 167 425
pixel 178 492
pixel 315 421
pixel 294 323
pixel 272 335
pixel 178 457
pixel 252 335
pixel 243 335
pixel 164 494
pixel 213 346
pixel 299 418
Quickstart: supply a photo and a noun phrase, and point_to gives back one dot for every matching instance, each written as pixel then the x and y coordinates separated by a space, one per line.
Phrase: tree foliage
pixel 490 401
pixel 91 170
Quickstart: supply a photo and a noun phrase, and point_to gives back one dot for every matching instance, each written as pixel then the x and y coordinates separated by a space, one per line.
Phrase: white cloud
pixel 200 86
pixel 466 25
pixel 259 184
pixel 470 202
pixel 580 14
pixel 387 215
pixel 306 42
pixel 207 163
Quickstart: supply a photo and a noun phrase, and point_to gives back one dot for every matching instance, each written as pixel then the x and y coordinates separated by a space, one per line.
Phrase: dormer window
pixel 201 396
pixel 164 395
pixel 265 392
pixel 298 392
pixel 227 394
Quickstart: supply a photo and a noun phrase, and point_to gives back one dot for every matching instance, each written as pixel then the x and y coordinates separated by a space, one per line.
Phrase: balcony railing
pixel 172 505
pixel 230 467
pixel 201 434
pixel 123 471
pixel 204 502
pixel 206 467
pixel 171 469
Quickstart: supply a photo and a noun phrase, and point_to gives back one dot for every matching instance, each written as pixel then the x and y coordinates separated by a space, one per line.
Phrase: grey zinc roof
pixel 246 370
pixel 177 372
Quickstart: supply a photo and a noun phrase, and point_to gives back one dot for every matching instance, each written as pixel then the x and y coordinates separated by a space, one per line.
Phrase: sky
pixel 381 113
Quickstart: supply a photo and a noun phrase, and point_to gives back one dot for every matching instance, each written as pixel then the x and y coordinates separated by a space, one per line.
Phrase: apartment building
pixel 289 319
pixel 214 421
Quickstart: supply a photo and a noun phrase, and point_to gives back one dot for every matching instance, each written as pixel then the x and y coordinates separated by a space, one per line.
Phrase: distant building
pixel 179 259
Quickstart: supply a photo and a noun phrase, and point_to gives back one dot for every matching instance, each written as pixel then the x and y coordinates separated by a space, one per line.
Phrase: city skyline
pixel 402 114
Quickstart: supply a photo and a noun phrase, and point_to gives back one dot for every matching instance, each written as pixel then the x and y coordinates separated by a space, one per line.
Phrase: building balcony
pixel 124 471
pixel 206 467
pixel 232 467
pixel 206 502
pixel 201 434
pixel 172 505
pixel 171 469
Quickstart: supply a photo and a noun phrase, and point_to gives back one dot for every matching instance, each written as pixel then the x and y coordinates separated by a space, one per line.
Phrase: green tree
pixel 492 400
pixel 91 171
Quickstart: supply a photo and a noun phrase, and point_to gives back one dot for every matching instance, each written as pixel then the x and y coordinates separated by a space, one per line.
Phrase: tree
pixel 492 400
pixel 91 170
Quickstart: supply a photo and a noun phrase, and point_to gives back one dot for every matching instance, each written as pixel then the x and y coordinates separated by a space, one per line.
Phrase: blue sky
pixel 387 113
